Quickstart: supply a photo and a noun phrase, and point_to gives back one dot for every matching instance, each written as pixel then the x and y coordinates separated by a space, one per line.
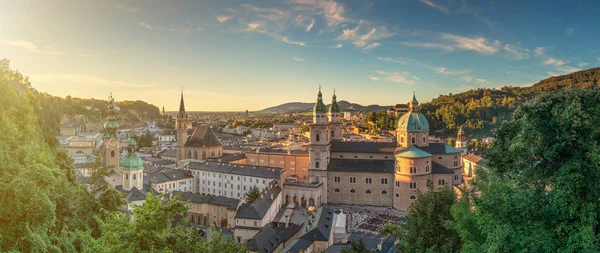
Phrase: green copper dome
pixel 334 107
pixel 132 161
pixel 319 106
pixel 413 121
pixel 412 152
pixel 111 125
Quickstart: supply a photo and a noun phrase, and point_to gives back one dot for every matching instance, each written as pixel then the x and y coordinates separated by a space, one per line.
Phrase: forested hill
pixel 479 111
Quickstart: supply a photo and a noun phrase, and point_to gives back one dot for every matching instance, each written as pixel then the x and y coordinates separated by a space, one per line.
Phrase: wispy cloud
pixel 428 45
pixel 444 71
pixel 478 44
pixel 582 64
pixel 332 11
pixel 252 26
pixel 286 40
pixel 310 26
pixel 475 79
pixel 365 39
pixel 517 52
pixel 168 29
pixel 435 6
pixel 298 59
pixel 372 45
pixel 563 71
pixel 29 46
pixel 539 51
pixel 401 60
pixel 554 61
pixel 223 19
pixel 395 77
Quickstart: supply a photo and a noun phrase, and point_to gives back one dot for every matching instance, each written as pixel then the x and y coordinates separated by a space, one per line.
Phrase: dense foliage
pixel 482 110
pixel 380 120
pixel 43 208
pixel 252 195
pixel 541 192
pixel 144 140
pixel 425 229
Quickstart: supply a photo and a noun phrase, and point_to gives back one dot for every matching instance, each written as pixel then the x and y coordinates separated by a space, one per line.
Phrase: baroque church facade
pixel 372 173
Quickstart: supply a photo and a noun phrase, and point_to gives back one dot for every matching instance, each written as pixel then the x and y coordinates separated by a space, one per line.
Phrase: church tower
pixel 334 114
pixel 413 127
pixel 181 124
pixel 461 143
pixel 132 169
pixel 320 145
pixel 111 146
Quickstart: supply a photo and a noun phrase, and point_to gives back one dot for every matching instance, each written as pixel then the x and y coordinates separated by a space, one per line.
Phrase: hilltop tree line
pixel 44 209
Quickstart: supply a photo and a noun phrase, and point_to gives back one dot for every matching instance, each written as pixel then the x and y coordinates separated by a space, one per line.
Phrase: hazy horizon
pixel 251 55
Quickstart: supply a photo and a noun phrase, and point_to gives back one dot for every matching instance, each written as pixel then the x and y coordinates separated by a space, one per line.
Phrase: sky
pixel 249 55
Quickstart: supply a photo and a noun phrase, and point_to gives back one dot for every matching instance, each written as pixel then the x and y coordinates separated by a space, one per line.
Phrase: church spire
pixel 413 105
pixel 334 107
pixel 181 105
pixel 319 106
pixel 111 125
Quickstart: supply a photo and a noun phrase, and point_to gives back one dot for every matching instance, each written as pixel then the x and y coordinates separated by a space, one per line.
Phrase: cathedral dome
pixel 413 120
pixel 132 161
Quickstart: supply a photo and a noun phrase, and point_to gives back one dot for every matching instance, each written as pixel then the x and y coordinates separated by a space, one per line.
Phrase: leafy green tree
pixel 252 195
pixel 425 229
pixel 541 192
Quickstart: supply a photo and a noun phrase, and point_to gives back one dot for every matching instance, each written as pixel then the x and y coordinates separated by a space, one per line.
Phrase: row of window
pixel 354 191
pixel 368 180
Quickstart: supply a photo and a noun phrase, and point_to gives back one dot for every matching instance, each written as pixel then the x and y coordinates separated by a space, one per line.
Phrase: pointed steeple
pixel 319 106
pixel 163 112
pixel 413 106
pixel 111 125
pixel 181 105
pixel 334 107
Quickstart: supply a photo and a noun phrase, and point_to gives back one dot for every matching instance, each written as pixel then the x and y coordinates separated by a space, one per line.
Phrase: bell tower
pixel 334 114
pixel 111 143
pixel 461 143
pixel 320 146
pixel 181 124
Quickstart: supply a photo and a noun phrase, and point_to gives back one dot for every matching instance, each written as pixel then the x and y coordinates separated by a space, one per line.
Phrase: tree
pixel 252 195
pixel 304 128
pixel 425 229
pixel 357 247
pixel 541 192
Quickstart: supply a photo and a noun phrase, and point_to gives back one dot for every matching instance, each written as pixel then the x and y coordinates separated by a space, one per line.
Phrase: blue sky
pixel 238 55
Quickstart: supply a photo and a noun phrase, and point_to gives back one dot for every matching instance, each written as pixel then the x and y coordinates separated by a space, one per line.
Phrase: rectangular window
pixel 456 177
pixel 336 179
pixel 441 182
pixel 317 165
pixel 368 180
pixel 413 170
pixel 353 180
pixel 397 183
pixel 384 181
pixel 427 169
pixel 413 185
pixel 414 140
pixel 455 163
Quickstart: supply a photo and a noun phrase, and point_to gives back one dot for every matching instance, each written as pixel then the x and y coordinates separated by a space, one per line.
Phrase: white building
pixel 251 218
pixel 231 180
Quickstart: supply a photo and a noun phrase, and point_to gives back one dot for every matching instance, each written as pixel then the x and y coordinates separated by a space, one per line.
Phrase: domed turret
pixel 319 106
pixel 132 161
pixel 334 107
pixel 413 120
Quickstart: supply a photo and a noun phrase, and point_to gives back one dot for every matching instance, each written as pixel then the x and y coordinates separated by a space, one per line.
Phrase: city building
pixel 231 180
pixel 316 235
pixel 471 163
pixel 207 210
pixel 166 180
pixel 252 217
pixel 273 237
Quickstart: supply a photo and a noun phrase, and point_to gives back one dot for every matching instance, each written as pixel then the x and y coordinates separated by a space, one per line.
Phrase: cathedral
pixel 201 143
pixel 372 173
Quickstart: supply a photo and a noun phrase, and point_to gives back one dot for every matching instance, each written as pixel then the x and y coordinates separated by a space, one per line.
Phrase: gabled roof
pixel 297 246
pixel 168 152
pixel 271 236
pixel 363 147
pixel 319 229
pixel 238 169
pixel 412 152
pixel 260 206
pixel 230 203
pixel 361 165
pixel 474 158
pixel 203 136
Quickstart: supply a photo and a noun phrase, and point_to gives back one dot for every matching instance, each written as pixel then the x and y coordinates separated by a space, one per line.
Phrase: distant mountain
pixel 304 107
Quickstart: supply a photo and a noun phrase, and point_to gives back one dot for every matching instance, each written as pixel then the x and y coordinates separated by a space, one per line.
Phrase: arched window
pixel 134 176
pixel 352 191
pixel 126 176
pixel 189 155
pixel 317 138
pixel 195 154
pixel 384 192
pixel 412 197
pixel 414 140
pixel 212 153
pixel 397 195
pixel 203 155
pixel 368 191
pixel 337 190
pixel 112 153
pixel 332 134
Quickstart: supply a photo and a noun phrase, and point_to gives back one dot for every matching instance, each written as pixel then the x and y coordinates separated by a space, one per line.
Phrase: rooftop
pixel 361 165
pixel 363 147
pixel 260 206
pixel 230 203
pixel 319 225
pixel 238 169
pixel 271 236
pixel 203 136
